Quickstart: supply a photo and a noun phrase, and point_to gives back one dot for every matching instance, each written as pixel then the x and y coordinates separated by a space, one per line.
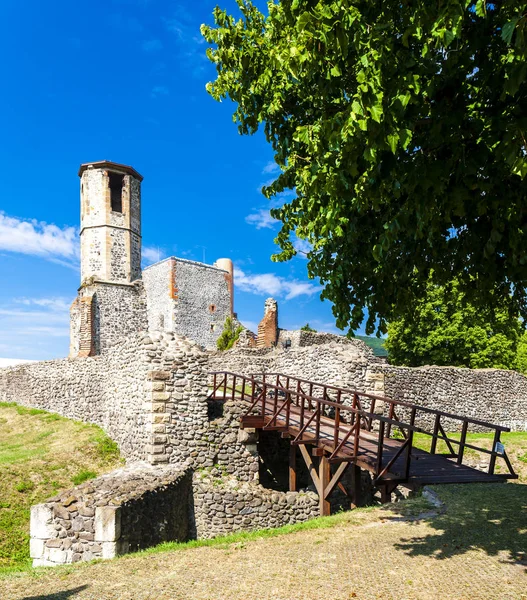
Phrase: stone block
pixel 113 549
pixel 36 548
pixel 41 522
pixel 162 396
pixel 55 555
pixel 159 375
pixel 107 523
pixel 42 562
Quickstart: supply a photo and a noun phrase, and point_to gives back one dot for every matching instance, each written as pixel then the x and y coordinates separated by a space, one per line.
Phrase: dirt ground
pixel 376 555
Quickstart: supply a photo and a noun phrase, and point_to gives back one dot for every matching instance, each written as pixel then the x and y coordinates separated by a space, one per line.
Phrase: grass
pixel 42 453
pixel 474 548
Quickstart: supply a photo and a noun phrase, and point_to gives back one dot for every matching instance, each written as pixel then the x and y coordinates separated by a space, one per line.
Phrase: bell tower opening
pixel 115 183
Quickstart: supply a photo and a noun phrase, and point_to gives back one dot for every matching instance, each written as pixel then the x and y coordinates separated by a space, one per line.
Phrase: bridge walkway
pixel 346 428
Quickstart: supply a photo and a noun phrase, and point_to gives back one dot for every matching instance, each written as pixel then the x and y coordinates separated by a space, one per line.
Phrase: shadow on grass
pixel 488 517
pixel 58 595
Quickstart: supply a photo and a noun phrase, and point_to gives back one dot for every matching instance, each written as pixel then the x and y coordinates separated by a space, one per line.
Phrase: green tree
pixel 306 327
pixel 401 127
pixel 443 329
pixel 229 335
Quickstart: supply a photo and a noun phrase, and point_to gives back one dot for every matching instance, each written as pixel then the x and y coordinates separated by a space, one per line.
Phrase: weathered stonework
pixel 188 297
pixel 223 505
pixel 124 511
pixel 268 326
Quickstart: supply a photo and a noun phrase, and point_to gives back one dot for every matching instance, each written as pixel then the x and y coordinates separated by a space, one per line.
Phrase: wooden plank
pixel 310 467
pixel 292 469
pixel 335 479
pixel 324 475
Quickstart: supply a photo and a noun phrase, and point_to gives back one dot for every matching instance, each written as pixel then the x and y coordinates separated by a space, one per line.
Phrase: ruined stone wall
pixel 108 390
pixel 491 395
pixel 161 295
pixel 119 312
pixel 189 298
pixel 189 431
pixel 124 511
pixel 223 505
pixel 346 363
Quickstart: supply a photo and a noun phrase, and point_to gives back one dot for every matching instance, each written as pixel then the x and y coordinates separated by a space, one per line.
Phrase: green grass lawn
pixel 40 454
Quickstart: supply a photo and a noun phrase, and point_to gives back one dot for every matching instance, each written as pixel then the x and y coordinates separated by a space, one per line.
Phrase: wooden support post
pixel 492 462
pixel 356 486
pixel 462 443
pixel 292 468
pixel 324 476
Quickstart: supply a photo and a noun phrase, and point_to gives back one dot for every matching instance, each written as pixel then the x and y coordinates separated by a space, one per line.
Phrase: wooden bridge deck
pixel 346 427
pixel 425 468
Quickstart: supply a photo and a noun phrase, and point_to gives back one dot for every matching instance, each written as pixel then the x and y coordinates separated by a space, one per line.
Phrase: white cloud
pixel 271 167
pixel 302 247
pixel 272 285
pixel 250 325
pixel 261 219
pixel 55 304
pixel 29 326
pixel 38 238
pixel 152 254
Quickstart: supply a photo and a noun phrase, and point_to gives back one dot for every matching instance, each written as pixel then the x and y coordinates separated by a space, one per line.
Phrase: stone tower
pixel 110 304
pixel 110 222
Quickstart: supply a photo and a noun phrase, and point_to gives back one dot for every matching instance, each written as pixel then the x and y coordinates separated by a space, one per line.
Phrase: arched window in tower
pixel 116 182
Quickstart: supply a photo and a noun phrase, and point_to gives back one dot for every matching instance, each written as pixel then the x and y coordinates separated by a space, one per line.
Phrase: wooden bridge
pixel 346 428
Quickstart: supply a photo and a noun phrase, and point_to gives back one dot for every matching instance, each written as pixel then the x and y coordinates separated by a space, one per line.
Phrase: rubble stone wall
pixel 224 505
pixel 124 511
pixel 107 390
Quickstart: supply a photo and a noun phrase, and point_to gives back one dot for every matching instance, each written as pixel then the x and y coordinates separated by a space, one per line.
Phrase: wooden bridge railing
pixel 347 409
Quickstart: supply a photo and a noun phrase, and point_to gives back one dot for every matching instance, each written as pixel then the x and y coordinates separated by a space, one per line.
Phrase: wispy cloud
pixel 261 219
pixel 303 247
pixel 271 167
pixel 159 90
pixel 152 254
pixel 273 285
pixel 37 238
pixel 28 327
pixel 152 45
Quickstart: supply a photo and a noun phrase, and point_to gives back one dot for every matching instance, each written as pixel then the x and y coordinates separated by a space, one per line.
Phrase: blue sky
pixel 124 80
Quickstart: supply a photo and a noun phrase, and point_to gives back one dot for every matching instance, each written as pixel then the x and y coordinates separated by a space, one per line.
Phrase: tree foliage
pixel 443 329
pixel 401 127
pixel 307 327
pixel 230 334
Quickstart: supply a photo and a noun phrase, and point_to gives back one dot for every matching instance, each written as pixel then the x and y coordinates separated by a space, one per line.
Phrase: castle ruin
pixel 141 356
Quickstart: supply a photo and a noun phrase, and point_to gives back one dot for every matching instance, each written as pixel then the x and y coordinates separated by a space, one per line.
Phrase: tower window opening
pixel 116 182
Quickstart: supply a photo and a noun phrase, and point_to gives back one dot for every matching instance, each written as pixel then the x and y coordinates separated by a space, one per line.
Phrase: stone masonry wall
pixel 108 390
pixel 188 431
pixel 223 505
pixel 492 395
pixel 189 298
pixel 124 511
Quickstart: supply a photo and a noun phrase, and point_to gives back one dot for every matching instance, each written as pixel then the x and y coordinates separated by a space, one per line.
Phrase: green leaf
pixel 376 112
pixel 508 30
pixel 393 140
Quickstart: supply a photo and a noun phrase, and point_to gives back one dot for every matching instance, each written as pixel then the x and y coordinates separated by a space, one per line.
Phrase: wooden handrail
pixel 298 398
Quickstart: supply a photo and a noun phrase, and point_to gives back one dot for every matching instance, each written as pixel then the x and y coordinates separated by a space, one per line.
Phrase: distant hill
pixel 375 343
